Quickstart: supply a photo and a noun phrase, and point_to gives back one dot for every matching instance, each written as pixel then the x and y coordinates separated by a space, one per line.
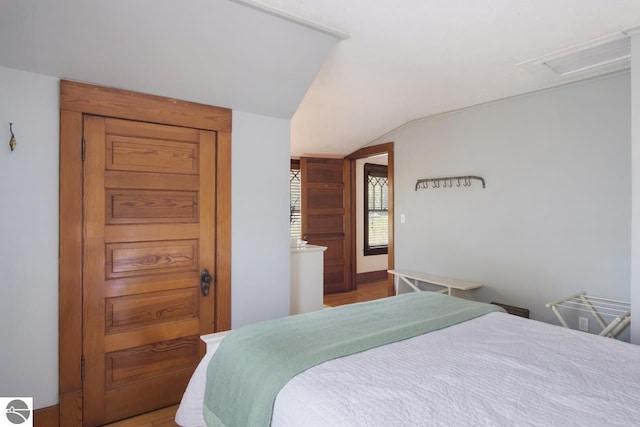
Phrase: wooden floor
pixel 160 418
pixel 165 417
pixel 365 292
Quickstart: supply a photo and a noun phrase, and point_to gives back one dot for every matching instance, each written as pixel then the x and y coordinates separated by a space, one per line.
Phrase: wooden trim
pixel 70 268
pixel 371 151
pixel 47 417
pixel 77 99
pixel 71 409
pixel 102 101
pixel 361 154
pixel 208 208
pixel 391 246
pixel 371 276
pixel 223 233
pixel 349 232
pixel 353 226
pixel 93 307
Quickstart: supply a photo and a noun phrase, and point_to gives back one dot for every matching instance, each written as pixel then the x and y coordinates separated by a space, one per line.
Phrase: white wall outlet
pixel 583 324
pixel 402 218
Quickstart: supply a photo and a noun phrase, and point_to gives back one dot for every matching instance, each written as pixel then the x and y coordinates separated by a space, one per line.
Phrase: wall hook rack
pixel 12 141
pixel 448 182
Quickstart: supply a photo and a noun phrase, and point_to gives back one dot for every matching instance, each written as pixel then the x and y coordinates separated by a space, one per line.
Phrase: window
pixel 376 209
pixel 295 197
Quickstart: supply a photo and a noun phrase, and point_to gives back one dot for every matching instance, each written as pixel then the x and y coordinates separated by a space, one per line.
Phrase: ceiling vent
pixel 616 52
pixel 599 56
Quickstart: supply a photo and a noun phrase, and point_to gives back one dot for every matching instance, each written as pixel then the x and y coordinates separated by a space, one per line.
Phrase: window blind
pixel 295 203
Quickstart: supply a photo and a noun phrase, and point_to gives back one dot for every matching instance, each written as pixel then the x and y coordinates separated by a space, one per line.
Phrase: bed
pixel 485 367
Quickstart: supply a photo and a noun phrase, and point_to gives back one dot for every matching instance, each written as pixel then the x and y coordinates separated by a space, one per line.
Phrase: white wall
pixel 29 237
pixel 635 195
pixel 555 216
pixel 29 229
pixel 370 262
pixel 260 218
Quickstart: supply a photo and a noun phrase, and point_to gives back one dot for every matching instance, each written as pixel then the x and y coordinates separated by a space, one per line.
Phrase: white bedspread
pixel 496 370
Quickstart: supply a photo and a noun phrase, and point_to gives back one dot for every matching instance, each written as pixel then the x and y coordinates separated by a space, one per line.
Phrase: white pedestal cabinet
pixel 307 269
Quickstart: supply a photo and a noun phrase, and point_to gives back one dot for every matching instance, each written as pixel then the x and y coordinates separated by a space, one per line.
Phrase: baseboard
pixel 371 276
pixel 47 417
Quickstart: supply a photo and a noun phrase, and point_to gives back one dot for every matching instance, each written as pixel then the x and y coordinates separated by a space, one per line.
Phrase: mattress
pixel 495 370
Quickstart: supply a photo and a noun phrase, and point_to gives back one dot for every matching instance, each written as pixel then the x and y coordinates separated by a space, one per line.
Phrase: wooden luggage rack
pixel 619 311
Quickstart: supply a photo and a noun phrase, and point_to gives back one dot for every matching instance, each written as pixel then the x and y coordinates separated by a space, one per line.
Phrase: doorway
pixel 371 267
pixel 332 207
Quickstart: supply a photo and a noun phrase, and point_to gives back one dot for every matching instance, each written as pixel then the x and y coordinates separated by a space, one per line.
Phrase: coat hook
pixel 12 141
pixel 447 182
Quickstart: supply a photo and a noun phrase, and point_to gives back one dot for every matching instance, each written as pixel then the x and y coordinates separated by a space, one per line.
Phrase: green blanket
pixel 254 362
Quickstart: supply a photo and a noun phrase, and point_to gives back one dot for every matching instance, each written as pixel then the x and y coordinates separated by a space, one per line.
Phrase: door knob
pixel 205 282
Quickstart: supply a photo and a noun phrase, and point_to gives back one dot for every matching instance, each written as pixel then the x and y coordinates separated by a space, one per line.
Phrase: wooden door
pixel 148 232
pixel 325 217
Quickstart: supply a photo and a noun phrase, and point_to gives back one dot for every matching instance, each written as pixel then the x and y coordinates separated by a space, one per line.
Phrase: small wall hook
pixel 12 141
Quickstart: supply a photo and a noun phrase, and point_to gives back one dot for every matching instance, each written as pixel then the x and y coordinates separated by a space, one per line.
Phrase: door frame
pixel 77 99
pixel 363 153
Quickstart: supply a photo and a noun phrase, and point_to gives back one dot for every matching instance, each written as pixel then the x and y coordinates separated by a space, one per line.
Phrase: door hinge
pixel 82 150
pixel 82 368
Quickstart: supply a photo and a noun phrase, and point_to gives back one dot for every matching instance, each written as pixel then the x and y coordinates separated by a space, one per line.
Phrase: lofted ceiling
pixel 402 60
pixel 215 52
pixel 410 59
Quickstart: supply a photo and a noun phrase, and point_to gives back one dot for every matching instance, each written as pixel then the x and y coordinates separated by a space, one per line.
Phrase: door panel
pixel 136 259
pixel 151 155
pixel 138 363
pixel 319 223
pixel 149 221
pixel 147 206
pixel 325 197
pixel 324 171
pixel 137 311
pixel 325 217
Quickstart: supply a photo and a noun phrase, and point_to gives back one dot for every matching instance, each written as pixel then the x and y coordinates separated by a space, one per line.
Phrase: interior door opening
pixel 382 153
pixel 372 222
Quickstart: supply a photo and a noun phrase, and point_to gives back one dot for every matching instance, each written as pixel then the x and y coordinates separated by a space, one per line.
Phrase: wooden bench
pixel 452 287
